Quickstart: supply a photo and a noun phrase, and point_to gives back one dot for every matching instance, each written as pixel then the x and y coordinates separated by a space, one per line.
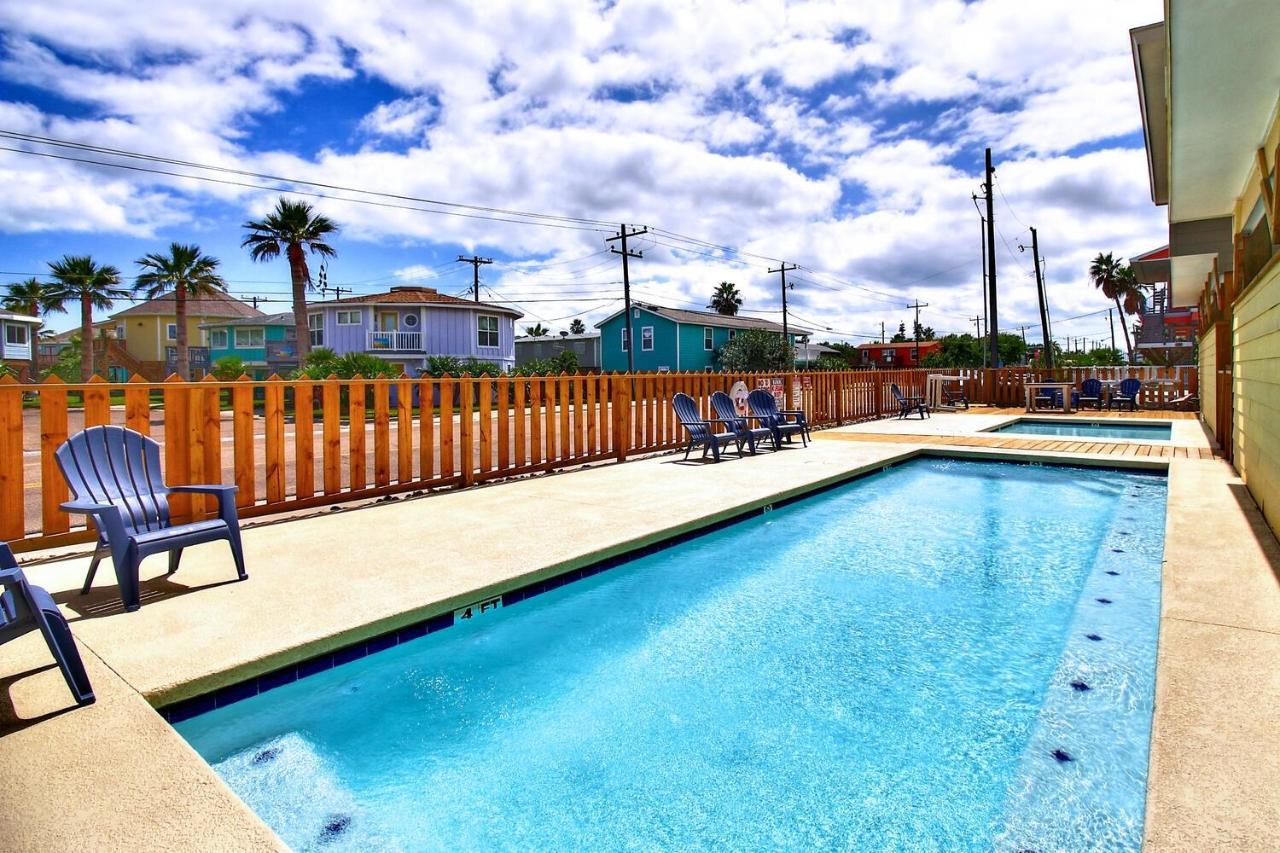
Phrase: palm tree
pixel 577 327
pixel 189 272
pixel 32 297
pixel 78 278
pixel 536 331
pixel 1118 283
pixel 294 228
pixel 726 299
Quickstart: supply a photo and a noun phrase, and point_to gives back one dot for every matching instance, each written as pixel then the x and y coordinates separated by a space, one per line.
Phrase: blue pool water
pixel 948 655
pixel 1089 429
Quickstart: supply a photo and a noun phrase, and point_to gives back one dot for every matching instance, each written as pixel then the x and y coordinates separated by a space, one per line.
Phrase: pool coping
pixel 1176 787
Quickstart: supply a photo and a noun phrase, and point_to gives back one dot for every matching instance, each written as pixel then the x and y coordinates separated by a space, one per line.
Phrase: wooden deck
pixel 1112 448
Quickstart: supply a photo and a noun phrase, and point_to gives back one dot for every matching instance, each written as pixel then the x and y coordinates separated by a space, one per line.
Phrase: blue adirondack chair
pixel 909 405
pixel 1126 394
pixel 25 608
pixel 783 423
pixel 1090 393
pixel 727 414
pixel 702 433
pixel 114 475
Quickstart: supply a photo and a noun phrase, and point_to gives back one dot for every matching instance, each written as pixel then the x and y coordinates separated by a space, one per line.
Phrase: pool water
pixel 1089 429
pixel 947 655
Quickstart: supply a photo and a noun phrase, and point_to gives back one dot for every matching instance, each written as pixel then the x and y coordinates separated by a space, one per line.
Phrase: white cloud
pixel 750 124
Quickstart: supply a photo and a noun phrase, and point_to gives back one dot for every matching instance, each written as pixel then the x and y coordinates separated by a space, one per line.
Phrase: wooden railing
pixel 298 444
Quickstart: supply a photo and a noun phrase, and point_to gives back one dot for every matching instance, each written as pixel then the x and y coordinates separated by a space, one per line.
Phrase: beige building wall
pixel 1208 380
pixel 146 337
pixel 1256 356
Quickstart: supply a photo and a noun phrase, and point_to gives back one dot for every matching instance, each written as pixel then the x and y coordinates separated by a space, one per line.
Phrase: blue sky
pixel 846 137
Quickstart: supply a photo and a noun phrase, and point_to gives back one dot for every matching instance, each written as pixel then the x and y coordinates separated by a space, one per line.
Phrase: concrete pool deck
pixel 117 775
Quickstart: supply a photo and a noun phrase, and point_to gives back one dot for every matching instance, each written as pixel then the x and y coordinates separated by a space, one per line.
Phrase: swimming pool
pixel 1089 429
pixel 948 654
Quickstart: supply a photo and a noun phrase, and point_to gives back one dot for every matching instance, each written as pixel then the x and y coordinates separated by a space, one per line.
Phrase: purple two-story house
pixel 406 325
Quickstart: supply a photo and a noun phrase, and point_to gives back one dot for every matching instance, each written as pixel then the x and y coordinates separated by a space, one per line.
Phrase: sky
pixel 846 137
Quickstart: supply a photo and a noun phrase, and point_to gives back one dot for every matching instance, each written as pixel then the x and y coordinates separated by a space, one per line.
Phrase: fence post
pixel 466 403
pixel 12 496
pixel 621 406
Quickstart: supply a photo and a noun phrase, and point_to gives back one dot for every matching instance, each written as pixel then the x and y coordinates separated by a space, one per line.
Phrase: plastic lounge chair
pixel 955 397
pixel 1047 398
pixel 114 475
pixel 727 413
pixel 909 405
pixel 783 423
pixel 1091 393
pixel 701 432
pixel 25 608
pixel 1187 402
pixel 1127 393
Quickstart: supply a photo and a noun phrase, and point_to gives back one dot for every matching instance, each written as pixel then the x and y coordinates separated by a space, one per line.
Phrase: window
pixel 915 354
pixel 120 327
pixel 646 339
pixel 708 338
pixel 218 339
pixel 733 333
pixel 315 325
pixel 487 329
pixel 250 338
pixel 624 338
pixel 349 318
pixel 410 321
pixel 15 334
pixel 171 331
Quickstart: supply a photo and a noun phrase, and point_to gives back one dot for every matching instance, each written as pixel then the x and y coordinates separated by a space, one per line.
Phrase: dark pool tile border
pixel 222 697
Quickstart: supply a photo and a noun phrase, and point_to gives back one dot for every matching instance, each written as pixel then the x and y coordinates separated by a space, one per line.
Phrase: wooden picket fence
pixel 299 444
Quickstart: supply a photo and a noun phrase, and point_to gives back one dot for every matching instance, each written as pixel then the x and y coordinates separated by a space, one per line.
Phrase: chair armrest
pixel 205 490
pixel 109 517
pixel 86 507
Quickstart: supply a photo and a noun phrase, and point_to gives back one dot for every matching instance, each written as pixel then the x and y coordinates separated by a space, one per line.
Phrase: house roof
pixel 213 305
pixel 814 350
pixel 709 318
pixel 11 317
pixel 284 318
pixel 901 345
pixel 417 296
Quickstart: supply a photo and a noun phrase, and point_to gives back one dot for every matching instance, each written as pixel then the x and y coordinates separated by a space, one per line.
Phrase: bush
pixel 229 367
pixel 565 362
pixel 756 349
pixel 67 366
pixel 323 362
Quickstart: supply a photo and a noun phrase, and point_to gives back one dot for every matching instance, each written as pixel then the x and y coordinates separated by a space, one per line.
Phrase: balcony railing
pixel 395 341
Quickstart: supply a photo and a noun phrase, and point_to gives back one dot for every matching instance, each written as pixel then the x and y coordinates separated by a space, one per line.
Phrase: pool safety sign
pixel 477 608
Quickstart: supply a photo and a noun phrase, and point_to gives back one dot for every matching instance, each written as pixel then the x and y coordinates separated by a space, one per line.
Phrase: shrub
pixel 228 367
pixel 756 349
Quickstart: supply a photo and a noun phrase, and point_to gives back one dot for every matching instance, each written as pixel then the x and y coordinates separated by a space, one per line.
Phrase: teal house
pixel 266 344
pixel 672 339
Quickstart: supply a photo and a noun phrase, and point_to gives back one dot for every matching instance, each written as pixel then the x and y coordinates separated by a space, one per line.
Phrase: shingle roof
pixel 710 318
pixel 417 296
pixel 589 336
pixel 215 305
pixel 283 319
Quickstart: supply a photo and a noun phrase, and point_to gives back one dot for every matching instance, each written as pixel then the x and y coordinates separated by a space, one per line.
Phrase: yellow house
pixel 1209 88
pixel 148 331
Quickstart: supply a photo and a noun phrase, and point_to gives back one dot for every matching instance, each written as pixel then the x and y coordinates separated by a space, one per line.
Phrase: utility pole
pixel 882 331
pixel 915 330
pixel 993 326
pixel 783 269
pixel 1043 296
pixel 626 253
pixel 476 262
pixel 1112 323
pixel 977 334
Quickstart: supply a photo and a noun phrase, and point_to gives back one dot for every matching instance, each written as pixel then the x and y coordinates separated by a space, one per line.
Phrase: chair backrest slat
pixel 1091 388
pixel 687 412
pixel 764 406
pixel 726 411
pixel 111 464
pixel 1130 387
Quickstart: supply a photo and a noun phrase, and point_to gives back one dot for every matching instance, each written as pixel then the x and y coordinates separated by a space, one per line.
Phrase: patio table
pixel 1065 387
